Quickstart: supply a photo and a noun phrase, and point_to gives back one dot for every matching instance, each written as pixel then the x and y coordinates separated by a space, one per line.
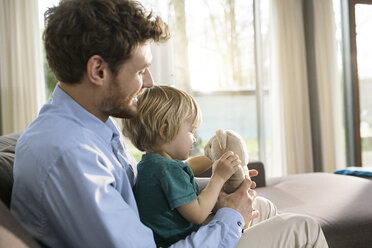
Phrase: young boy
pixel 165 190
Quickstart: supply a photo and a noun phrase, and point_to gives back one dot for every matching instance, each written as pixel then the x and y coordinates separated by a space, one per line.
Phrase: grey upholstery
pixel 341 204
pixel 12 234
pixel 7 148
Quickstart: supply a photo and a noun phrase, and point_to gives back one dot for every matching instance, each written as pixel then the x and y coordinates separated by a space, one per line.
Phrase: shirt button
pixel 239 223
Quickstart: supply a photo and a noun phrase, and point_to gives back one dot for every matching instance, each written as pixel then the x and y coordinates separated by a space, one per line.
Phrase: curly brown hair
pixel 78 29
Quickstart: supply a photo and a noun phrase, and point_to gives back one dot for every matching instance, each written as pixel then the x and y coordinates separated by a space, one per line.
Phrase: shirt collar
pixel 150 156
pixel 106 130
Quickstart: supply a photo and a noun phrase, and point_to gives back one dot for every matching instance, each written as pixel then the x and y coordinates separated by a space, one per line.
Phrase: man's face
pixel 120 97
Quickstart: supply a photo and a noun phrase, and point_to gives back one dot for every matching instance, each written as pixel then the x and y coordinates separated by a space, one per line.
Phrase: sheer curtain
pixel 329 86
pixel 291 129
pixel 292 137
pixel 21 68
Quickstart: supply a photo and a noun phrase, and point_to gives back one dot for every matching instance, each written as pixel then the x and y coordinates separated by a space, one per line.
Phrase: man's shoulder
pixel 47 132
pixel 48 138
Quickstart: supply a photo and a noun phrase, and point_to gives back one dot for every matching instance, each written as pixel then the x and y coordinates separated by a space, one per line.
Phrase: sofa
pixel 341 204
pixel 12 234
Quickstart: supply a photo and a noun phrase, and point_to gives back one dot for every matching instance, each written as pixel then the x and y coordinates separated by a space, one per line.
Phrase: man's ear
pixel 163 131
pixel 97 70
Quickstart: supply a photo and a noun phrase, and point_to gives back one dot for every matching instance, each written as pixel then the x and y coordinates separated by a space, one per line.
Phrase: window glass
pixel 215 62
pixel 50 79
pixel 221 45
pixel 363 24
pixel 212 56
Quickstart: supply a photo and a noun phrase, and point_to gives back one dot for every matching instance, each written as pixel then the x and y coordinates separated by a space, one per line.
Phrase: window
pixel 50 79
pixel 363 25
pixel 220 57
pixel 218 54
pixel 358 82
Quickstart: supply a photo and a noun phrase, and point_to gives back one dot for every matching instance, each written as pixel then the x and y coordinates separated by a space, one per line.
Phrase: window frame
pixel 351 82
pixel 259 91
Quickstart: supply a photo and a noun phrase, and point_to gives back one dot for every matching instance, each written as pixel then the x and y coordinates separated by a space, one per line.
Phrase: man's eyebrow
pixel 144 66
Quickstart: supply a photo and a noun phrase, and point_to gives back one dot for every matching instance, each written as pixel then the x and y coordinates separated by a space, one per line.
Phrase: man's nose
pixel 148 81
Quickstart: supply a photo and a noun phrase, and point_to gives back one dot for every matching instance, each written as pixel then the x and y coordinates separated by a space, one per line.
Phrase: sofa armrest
pixel 12 233
pixel 7 148
pixel 260 179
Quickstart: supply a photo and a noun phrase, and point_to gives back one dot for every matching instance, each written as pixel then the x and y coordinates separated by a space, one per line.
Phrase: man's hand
pixel 242 200
pixel 253 173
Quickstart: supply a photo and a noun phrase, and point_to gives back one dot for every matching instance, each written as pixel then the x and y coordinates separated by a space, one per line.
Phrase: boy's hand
pixel 226 166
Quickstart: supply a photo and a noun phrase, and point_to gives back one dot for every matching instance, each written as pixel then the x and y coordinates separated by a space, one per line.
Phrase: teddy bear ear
pixel 221 136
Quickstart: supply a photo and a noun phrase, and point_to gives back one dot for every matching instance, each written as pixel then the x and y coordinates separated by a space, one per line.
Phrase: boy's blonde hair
pixel 157 106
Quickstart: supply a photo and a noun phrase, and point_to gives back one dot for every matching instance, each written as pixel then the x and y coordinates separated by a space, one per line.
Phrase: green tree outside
pixel 50 79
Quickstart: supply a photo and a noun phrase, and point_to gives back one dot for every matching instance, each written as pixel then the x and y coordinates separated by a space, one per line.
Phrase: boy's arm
pixel 197 211
pixel 199 164
pixel 225 229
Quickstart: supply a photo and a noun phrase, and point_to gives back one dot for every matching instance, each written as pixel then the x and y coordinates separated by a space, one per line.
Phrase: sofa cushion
pixel 341 204
pixel 7 149
pixel 12 234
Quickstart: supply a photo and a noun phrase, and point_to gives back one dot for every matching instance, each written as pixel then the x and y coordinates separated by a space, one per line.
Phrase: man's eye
pixel 143 71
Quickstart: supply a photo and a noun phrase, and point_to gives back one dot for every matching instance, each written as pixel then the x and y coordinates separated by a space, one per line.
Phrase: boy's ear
pixel 97 70
pixel 163 131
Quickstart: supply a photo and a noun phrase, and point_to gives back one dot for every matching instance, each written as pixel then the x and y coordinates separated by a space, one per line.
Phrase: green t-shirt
pixel 163 185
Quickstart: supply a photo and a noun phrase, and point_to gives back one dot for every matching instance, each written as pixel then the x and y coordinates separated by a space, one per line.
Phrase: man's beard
pixel 118 109
pixel 125 113
pixel 115 107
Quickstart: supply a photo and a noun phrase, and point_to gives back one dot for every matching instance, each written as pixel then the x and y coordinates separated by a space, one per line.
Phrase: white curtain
pixel 291 124
pixel 291 129
pixel 21 67
pixel 329 86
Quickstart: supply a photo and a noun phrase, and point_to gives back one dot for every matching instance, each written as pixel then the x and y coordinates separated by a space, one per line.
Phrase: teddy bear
pixel 221 142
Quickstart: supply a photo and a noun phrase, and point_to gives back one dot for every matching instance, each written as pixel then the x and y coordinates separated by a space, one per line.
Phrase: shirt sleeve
pixel 224 230
pixel 85 207
pixel 177 185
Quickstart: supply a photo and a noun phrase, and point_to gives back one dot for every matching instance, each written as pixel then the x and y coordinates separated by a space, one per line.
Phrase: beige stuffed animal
pixel 221 142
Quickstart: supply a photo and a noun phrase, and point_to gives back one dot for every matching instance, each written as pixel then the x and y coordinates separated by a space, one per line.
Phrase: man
pixel 74 177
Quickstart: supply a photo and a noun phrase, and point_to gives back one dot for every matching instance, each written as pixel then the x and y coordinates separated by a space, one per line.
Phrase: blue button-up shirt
pixel 73 183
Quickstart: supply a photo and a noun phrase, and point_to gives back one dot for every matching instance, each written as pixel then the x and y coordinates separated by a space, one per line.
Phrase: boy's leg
pixel 284 230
